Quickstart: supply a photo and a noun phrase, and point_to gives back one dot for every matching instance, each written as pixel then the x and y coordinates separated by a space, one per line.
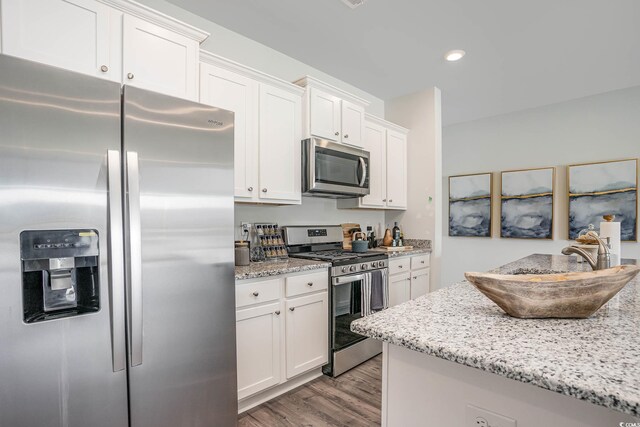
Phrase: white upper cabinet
pixel 387 146
pixel 234 92
pixel 331 113
pixel 71 34
pixel 375 142
pixel 396 170
pixel 118 40
pixel 352 123
pixel 158 59
pixel 325 114
pixel 268 130
pixel 280 135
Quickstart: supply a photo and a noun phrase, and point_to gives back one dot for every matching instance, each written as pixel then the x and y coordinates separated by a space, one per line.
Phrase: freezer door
pixel 56 129
pixel 180 278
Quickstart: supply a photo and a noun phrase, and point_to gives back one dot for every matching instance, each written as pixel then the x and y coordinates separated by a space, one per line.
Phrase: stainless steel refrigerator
pixel 116 255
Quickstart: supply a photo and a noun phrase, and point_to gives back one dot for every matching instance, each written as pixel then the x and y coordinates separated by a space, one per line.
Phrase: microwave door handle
pixel 364 171
pixel 116 262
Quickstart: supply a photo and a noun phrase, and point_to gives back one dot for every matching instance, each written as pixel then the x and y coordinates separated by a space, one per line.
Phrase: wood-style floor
pixel 353 399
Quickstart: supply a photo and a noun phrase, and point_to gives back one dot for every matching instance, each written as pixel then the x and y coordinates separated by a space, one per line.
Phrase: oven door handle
pixel 364 171
pixel 343 280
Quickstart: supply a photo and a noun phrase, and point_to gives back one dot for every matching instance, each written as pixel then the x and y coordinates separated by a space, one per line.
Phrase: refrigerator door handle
pixel 135 258
pixel 116 265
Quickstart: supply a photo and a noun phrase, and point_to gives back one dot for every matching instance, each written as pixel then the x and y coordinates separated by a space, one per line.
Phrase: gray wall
pixel 591 129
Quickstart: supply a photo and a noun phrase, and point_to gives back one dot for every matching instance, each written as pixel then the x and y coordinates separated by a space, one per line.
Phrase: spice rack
pixel 269 240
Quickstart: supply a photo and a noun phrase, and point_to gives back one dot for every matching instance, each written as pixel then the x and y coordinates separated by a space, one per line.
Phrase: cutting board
pixel 395 248
pixel 347 235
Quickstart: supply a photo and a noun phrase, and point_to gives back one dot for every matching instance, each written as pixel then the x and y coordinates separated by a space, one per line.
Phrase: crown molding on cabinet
pixel 385 123
pixel 326 87
pixel 227 64
pixel 141 11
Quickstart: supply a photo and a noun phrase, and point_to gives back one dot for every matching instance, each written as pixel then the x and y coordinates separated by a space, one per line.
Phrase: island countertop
pixel 595 359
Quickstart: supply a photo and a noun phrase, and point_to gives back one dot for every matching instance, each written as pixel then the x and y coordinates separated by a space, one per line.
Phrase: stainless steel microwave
pixel 334 170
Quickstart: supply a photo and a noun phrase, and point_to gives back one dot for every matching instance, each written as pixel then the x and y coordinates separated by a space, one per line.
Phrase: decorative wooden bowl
pixel 559 295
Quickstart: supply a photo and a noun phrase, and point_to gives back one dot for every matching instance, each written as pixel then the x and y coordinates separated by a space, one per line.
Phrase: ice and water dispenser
pixel 60 273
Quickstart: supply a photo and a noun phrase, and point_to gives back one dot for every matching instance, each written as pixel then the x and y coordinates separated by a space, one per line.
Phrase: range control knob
pixel 363 267
pixel 344 269
pixel 373 264
pixel 352 268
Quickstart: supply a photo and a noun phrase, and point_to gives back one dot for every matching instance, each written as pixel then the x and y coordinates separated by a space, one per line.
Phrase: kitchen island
pixel 453 352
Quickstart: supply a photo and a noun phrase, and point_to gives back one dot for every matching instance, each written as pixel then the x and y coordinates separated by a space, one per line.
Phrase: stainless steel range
pixel 348 273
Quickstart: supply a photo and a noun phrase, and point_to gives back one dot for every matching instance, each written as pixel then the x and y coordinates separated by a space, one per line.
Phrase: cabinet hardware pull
pixel 310 284
pixel 384 200
pixel 415 277
pixel 130 76
pixel 390 200
pixel 401 266
pixel 255 294
pixel 277 313
pixel 422 262
pixel 104 68
pixel 337 133
pixel 264 190
pixel 250 188
pixel 292 309
pixel 346 136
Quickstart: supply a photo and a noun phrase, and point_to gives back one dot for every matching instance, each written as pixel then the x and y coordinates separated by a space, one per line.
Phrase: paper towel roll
pixel 612 231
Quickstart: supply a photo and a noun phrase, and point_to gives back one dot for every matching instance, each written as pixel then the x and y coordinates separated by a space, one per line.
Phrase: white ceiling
pixel 520 54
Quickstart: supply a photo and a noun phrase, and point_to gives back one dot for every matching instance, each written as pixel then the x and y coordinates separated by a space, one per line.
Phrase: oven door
pixel 346 307
pixel 334 170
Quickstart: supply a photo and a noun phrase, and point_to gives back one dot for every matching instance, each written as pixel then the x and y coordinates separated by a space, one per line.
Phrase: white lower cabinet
pixel 306 333
pixel 279 338
pixel 419 283
pixel 408 278
pixel 399 288
pixel 258 336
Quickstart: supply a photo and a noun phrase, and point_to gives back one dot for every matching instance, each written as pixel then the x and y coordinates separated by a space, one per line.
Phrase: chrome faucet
pixel 604 255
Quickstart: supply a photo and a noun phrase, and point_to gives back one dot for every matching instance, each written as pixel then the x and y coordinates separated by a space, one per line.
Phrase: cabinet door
pixel 352 124
pixel 258 343
pixel 226 89
pixel 419 283
pixel 399 288
pixel 160 60
pixel 280 125
pixel 375 143
pixel 396 170
pixel 70 34
pixel 307 333
pixel 324 115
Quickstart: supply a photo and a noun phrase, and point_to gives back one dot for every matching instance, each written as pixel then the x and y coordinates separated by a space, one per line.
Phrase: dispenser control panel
pixel 60 273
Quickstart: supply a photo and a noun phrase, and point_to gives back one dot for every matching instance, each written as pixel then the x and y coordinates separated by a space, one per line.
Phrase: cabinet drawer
pixel 299 285
pixel 257 292
pixel 420 261
pixel 399 265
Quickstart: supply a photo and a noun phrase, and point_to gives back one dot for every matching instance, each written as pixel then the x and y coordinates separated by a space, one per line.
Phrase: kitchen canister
pixel 611 230
pixel 242 253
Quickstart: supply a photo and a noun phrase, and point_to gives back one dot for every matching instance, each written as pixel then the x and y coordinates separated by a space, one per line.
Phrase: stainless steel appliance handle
pixel 135 258
pixel 116 264
pixel 364 171
pixel 347 279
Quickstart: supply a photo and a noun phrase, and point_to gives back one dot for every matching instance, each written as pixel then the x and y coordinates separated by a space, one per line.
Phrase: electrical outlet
pixel 245 227
pixel 478 417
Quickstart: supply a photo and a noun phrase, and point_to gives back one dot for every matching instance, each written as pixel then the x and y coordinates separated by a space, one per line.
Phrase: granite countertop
pixel 420 246
pixel 595 359
pixel 273 268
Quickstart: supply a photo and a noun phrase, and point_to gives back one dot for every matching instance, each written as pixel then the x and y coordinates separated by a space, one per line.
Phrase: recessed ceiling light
pixel 354 3
pixel 454 55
